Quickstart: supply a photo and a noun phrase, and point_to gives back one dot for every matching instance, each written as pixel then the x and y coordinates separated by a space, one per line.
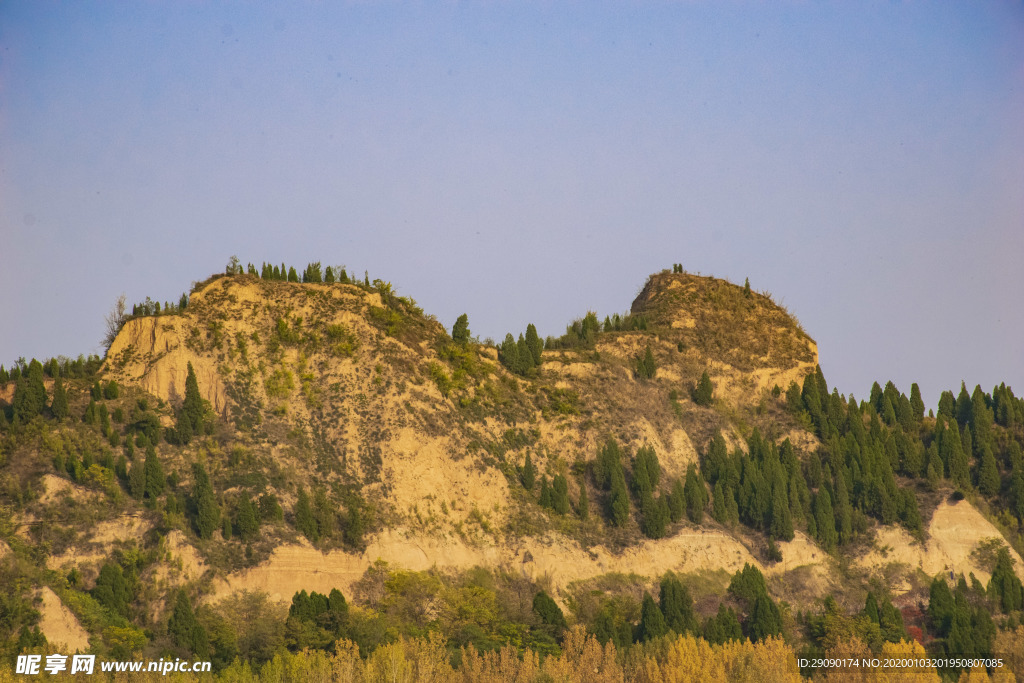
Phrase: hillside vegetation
pixel 304 463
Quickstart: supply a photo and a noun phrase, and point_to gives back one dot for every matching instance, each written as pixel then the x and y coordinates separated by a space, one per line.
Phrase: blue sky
pixel 526 162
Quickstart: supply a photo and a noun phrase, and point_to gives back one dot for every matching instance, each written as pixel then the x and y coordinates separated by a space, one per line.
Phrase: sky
pixel 528 162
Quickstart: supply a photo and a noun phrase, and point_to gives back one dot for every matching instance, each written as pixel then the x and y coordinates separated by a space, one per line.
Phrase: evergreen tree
pixel 524 355
pixel 645 365
pixel 59 406
pixel 354 523
pixel 703 392
pixel 460 330
pixel 137 480
pixel 508 354
pixel 534 344
pixel 652 621
pixel 655 515
pixel 560 494
pixel 305 522
pixel 111 390
pixel 746 288
pixel 247 520
pixel 940 606
pixel 677 606
pixel 677 501
pixel 696 496
pixel 545 493
pixel 192 409
pixel 988 473
pixel 155 481
pixel 292 275
pixel 871 607
pixel 843 509
pixel 723 627
pixel 825 521
pixel 329 275
pixel 1004 588
pixel 583 506
pixel 528 476
pixel 719 505
pixel 184 630
pixel 782 523
pixel 916 403
pixel 207 510
pixel 765 619
pixel 549 612
pixel 619 499
pixel 29 394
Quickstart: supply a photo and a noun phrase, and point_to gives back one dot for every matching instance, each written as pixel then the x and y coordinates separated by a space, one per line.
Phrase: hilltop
pixel 266 437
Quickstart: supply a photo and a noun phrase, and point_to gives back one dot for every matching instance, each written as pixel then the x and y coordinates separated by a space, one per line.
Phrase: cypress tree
pixel 533 342
pixel 528 476
pixel 508 354
pixel 696 496
pixel 988 472
pixel 843 509
pixel 825 521
pixel 247 522
pixel 560 494
pixel 723 627
pixel 29 393
pixel 619 499
pixel 207 510
pixel 292 275
pixel 137 480
pixel 59 405
pixel 652 621
pixel 704 391
pixel 583 506
pixel 871 607
pixel 719 506
pixel 677 606
pixel 916 403
pixel 305 522
pixel 354 523
pixel 1004 588
pixel 655 516
pixel 155 481
pixel 185 631
pixel 765 619
pixel 940 606
pixel 192 408
pixel 549 612
pixel 677 501
pixel 545 493
pixel 329 275
pixel 524 355
pixel 460 330
pixel 746 288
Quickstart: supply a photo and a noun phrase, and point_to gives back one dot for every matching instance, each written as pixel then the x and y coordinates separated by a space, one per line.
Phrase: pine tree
pixel 871 607
pixel 1004 588
pixel 524 355
pixel 583 506
pixel 29 394
pixel 703 392
pixel 207 510
pixel 192 408
pixel 460 330
pixel 940 606
pixel 545 493
pixel 655 515
pixel 59 405
pixel 765 619
pixel 292 275
pixel 185 631
pixel 645 365
pixel 652 621
pixel 746 288
pixel 534 344
pixel 508 354
pixel 354 523
pixel 329 275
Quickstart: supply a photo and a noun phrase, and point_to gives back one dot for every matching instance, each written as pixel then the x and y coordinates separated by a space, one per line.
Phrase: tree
pixel 652 621
pixel 560 494
pixel 304 520
pixel 696 496
pixel 746 288
pixel 1004 588
pixel 508 354
pixel 940 606
pixel 137 480
pixel 583 505
pixel 529 474
pixel 207 510
pixel 29 393
pixel 353 535
pixel 765 619
pixel 645 365
pixel 916 403
pixel 234 266
pixel 988 472
pixel 155 481
pixel 185 631
pixel 247 520
pixel 677 500
pixel 677 606
pixel 534 344
pixel 655 515
pixel 704 390
pixel 59 405
pixel 114 321
pixel 549 612
pixel 825 521
pixel 192 409
pixel 460 330
pixel 329 275
pixel 619 499
pixel 292 275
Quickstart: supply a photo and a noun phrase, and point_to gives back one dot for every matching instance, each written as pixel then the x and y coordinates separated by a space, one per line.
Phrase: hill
pixel 266 437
